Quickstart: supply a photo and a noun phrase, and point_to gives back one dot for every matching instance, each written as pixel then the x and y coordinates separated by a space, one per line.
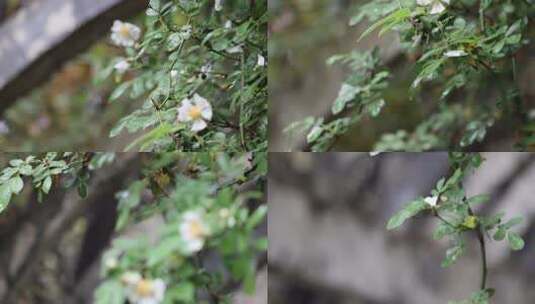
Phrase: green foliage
pixel 361 94
pixel 203 214
pixel 465 62
pixel 188 48
pixel 454 210
pixel 480 297
pixel 209 206
pixel 44 172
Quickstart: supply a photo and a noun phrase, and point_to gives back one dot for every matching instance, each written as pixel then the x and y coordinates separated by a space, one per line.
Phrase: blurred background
pixel 54 80
pixel 329 244
pixel 304 33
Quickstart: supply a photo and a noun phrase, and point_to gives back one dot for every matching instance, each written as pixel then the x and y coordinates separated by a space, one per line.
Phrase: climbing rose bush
pixel 209 207
pixel 458 220
pixel 463 60
pixel 199 67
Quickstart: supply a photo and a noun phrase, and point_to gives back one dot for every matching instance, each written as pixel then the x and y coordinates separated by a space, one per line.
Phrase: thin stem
pixel 242 101
pixel 484 268
pixel 482 246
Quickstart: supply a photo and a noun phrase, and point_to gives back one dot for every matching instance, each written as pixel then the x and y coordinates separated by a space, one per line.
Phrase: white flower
pixel 122 66
pixel 196 110
pixel 228 24
pixel 111 263
pixel 174 73
pixel 4 128
pixel 193 231
pixel 124 33
pixel 235 49
pixel 218 5
pixel 261 61
pixel 431 200
pixel 145 291
pixel 375 153
pixel 455 53
pixel 130 278
pixel 437 6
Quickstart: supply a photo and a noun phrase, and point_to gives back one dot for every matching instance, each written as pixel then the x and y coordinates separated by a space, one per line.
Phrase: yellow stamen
pixel 144 288
pixel 124 31
pixel 196 229
pixel 194 112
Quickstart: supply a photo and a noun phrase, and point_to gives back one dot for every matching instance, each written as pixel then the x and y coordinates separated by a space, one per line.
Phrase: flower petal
pixel 200 101
pixel 437 8
pixel 116 26
pixel 198 125
pixel 206 112
pixel 183 111
pixel 423 2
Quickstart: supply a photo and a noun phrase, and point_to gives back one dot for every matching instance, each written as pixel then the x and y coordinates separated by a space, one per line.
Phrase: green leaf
pixel 374 108
pixel 409 211
pixel 82 189
pixel 5 196
pixel 182 293
pixel 388 22
pixel 47 183
pixel 16 162
pixel 500 233
pixel 16 184
pixel 314 133
pixel 347 93
pixel 478 199
pixel 155 4
pixel 515 241
pixel 255 219
pixel 118 91
pixel 151 12
pixel 453 254
pixel 512 222
pixel 110 292
pixel 173 41
pixel 164 249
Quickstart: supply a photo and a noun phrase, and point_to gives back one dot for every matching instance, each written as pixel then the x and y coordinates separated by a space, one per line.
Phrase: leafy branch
pixel 454 210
